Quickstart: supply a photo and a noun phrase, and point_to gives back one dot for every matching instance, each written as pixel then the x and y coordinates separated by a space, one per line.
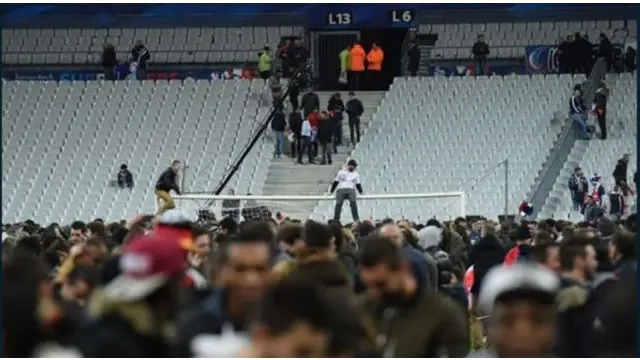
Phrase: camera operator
pixel 297 54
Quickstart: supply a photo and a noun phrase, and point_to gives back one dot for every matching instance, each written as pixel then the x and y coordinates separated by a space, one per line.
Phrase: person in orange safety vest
pixel 356 66
pixel 374 60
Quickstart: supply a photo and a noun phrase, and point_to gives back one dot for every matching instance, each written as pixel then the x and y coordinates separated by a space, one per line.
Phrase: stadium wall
pixel 304 14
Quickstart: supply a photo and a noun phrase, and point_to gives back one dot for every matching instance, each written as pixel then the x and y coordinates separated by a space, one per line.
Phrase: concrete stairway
pixel 558 203
pixel 285 177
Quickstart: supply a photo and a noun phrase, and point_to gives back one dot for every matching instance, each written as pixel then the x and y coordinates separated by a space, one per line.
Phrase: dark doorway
pixel 390 40
pixel 329 45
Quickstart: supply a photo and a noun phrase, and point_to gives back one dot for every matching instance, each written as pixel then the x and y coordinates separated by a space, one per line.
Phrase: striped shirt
pixel 576 105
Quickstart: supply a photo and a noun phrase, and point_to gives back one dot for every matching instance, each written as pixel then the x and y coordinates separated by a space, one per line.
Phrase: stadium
pixel 509 121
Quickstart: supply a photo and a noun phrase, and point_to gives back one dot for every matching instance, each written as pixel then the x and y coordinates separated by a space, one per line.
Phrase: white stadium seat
pixel 184 41
pixel 458 129
pixel 459 38
pixel 63 142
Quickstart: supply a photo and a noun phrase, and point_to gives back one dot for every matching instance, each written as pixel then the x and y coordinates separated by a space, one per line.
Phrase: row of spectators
pixel 135 67
pixel 592 199
pixel 312 131
pixel 576 54
pixel 165 286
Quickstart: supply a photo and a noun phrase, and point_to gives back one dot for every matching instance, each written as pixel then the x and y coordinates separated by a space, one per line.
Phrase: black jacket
pixel 295 122
pixel 279 122
pixel 109 59
pixel 414 57
pixel 140 54
pixel 168 181
pixel 601 99
pixel 113 337
pixel 208 318
pixel 310 101
pixel 480 50
pixel 620 171
pixel 296 56
pixel 325 130
pixel 575 325
pixel 605 49
pixel 485 254
pixel 337 106
pixel 354 108
pixel 125 179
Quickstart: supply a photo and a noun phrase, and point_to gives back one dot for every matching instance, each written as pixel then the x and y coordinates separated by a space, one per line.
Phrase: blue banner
pixel 201 74
pixel 541 59
pixel 469 70
pixel 310 15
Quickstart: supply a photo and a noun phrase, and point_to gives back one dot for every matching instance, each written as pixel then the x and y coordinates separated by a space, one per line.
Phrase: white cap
pixel 501 280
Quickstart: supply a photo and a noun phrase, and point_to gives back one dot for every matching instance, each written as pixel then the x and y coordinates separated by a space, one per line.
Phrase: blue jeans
pixel 306 146
pixel 581 121
pixel 479 66
pixel 279 149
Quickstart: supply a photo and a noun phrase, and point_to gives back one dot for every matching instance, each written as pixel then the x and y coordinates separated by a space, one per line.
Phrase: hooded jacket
pixel 575 324
pixel 428 326
pixel 485 254
pixel 429 237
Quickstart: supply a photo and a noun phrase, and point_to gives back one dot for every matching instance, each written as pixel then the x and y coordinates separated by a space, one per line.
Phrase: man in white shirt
pixel 346 183
pixel 305 140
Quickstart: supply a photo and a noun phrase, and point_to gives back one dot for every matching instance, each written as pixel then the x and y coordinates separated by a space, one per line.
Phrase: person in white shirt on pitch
pixel 346 183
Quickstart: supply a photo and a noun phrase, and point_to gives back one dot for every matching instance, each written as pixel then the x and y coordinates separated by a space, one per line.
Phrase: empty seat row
pixel 63 143
pixel 53 46
pixel 525 33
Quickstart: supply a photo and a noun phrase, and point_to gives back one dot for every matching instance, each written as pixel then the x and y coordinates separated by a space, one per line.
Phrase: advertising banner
pixel 178 74
pixel 541 59
pixel 469 70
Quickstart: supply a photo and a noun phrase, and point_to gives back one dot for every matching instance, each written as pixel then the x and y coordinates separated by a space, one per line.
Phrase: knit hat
pixel 521 278
pixel 523 233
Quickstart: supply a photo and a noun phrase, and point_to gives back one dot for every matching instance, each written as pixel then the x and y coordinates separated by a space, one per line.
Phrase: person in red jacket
pixel 522 250
pixel 314 120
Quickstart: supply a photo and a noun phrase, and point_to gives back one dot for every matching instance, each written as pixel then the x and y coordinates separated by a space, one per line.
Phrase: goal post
pixel 411 206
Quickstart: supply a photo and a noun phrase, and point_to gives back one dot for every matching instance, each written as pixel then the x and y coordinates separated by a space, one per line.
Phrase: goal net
pixel 415 207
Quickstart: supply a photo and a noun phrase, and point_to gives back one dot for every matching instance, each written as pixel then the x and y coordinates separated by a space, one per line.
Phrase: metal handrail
pixel 410 35
pixel 567 128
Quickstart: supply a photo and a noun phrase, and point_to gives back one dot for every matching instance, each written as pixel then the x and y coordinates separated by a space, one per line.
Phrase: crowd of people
pixel 313 132
pixel 134 67
pixel 591 198
pixel 362 70
pixel 577 55
pixel 159 286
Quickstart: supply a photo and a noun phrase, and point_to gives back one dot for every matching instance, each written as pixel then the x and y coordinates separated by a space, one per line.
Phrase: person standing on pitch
pixel 168 181
pixel 346 183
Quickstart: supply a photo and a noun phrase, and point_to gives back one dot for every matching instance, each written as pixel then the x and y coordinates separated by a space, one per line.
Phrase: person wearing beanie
pixel 520 301
pixel 522 250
